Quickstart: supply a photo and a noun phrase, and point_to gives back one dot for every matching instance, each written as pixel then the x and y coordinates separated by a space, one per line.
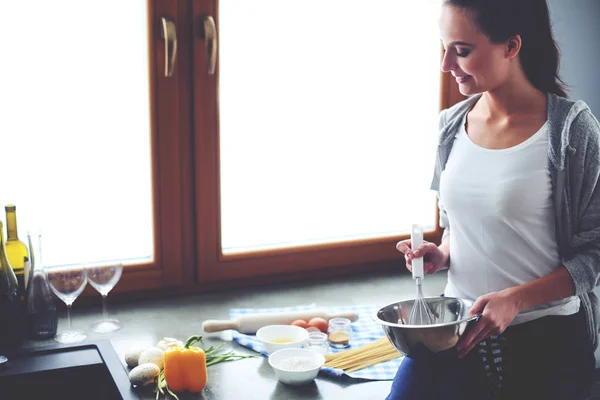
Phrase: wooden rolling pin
pixel 250 323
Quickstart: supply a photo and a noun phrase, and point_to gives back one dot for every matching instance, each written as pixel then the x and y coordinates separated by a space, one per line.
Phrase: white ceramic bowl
pixel 288 363
pixel 277 337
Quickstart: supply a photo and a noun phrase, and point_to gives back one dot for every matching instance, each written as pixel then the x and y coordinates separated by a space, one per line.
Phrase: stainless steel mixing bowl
pixel 451 321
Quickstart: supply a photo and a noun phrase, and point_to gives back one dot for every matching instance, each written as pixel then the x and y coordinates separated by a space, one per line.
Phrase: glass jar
pixel 317 341
pixel 339 332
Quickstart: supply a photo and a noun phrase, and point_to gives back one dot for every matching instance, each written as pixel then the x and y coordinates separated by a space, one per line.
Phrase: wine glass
pixel 103 276
pixel 67 282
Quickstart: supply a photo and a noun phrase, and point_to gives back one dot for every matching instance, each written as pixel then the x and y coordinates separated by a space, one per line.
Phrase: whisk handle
pixel 416 239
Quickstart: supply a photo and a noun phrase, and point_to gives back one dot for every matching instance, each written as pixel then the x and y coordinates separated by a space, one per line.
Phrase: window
pixel 92 138
pixel 77 123
pixel 328 121
pixel 287 129
pixel 299 153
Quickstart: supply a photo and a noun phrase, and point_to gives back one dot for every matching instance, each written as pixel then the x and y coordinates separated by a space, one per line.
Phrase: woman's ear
pixel 513 46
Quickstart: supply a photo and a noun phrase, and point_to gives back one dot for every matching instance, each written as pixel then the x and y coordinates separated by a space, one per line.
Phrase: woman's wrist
pixel 515 296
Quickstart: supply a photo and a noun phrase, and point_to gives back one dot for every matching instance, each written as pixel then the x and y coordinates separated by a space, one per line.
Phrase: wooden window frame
pixel 172 159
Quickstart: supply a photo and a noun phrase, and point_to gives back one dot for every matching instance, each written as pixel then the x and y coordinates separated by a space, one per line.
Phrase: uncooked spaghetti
pixel 362 357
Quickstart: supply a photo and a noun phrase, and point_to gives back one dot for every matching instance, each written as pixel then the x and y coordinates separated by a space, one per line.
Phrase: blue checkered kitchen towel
pixel 364 331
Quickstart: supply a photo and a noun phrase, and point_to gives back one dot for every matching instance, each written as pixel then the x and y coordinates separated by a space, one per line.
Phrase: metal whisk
pixel 420 314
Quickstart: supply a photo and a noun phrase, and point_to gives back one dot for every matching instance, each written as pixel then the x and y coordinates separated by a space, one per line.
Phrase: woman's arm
pixel 499 309
pixel 555 286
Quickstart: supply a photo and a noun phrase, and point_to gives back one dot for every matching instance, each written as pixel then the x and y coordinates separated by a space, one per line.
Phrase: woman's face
pixel 477 64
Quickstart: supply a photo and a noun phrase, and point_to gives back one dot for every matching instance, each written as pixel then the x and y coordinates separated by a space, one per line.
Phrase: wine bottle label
pixel 26 272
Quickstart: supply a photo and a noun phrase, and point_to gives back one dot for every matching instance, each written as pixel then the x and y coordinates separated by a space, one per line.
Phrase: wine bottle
pixel 11 306
pixel 15 249
pixel 41 316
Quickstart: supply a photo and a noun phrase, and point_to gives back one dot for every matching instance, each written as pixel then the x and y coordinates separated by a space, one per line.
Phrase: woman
pixel 517 180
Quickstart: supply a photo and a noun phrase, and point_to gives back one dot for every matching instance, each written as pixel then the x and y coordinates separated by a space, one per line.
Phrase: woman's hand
pixel 498 310
pixel 434 258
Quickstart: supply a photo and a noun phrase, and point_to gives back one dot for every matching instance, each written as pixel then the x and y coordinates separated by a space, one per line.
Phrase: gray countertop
pixel 146 322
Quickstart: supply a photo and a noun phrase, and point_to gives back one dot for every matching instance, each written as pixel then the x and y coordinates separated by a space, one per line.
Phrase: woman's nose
pixel 448 62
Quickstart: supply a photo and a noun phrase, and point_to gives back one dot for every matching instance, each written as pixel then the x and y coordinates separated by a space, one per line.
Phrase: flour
pixel 297 363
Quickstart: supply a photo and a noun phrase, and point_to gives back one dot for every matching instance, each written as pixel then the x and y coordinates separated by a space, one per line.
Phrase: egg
pixel 144 374
pixel 301 323
pixel 152 355
pixel 319 323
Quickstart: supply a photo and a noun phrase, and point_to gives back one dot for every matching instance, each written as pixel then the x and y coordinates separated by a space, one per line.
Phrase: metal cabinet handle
pixel 169 35
pixel 209 34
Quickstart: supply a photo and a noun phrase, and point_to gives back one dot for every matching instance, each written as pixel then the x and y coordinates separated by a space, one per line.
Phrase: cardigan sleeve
pixel 584 203
pixel 435 182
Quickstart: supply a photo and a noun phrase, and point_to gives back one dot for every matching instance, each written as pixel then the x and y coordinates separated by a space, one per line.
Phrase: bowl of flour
pixel 296 366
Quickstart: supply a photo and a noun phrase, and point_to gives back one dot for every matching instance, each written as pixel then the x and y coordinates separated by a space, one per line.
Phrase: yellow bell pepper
pixel 185 367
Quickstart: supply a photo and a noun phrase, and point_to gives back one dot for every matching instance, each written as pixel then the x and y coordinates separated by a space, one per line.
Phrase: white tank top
pixel 501 220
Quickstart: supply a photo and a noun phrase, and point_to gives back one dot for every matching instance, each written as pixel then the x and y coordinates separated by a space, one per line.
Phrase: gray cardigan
pixel 574 162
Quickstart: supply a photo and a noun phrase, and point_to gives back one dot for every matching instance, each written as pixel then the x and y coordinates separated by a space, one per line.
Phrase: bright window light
pixel 74 127
pixel 328 120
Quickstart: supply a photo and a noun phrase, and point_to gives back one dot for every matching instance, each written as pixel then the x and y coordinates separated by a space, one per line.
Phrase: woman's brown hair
pixel 500 20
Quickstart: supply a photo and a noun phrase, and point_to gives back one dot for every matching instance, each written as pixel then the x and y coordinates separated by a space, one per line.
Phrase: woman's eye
pixel 462 52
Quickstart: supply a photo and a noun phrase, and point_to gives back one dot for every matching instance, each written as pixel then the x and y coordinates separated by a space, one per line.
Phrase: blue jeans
pixel 550 358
